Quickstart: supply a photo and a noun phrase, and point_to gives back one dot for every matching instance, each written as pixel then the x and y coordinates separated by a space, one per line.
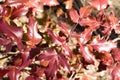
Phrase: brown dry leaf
pixel 68 4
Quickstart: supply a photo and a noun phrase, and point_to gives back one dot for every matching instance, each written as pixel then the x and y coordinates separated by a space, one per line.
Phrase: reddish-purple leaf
pixel 85 36
pixel 89 21
pixel 116 54
pixel 35 5
pixel 7 43
pixel 64 28
pixel 54 60
pixel 32 33
pixel 63 61
pixel 113 19
pixel 19 11
pixel 3 72
pixel 13 73
pixel 55 39
pixel 37 71
pixel 87 53
pixel 25 55
pixel 74 15
pixel 115 74
pixel 103 45
pixel 99 4
pixel 50 55
pixel 85 11
pixel 50 2
pixel 4 11
pixel 30 78
pixel 51 70
pixel 67 50
pixel 15 33
pixel 14 3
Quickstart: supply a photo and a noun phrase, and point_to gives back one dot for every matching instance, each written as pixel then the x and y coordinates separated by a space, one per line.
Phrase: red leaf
pixel 37 71
pixel 113 19
pixel 13 73
pixel 87 54
pixel 116 54
pixel 103 45
pixel 3 72
pixel 7 43
pixel 74 15
pixel 4 11
pixel 50 55
pixel 67 50
pixel 50 2
pixel 99 4
pixel 15 33
pixel 54 60
pixel 63 61
pixel 85 11
pixel 64 28
pixel 56 39
pixel 35 5
pixel 51 70
pixel 33 35
pixel 107 59
pixel 15 3
pixel 85 36
pixel 89 21
pixel 30 78
pixel 25 55
pixel 19 11
pixel 115 74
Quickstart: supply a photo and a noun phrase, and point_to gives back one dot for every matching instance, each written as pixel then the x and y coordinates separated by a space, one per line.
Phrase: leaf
pixel 67 50
pixel 35 5
pixel 102 45
pixel 32 33
pixel 15 33
pixel 54 60
pixel 19 12
pixel 116 54
pixel 4 11
pixel 26 61
pixel 113 19
pixel 50 2
pixel 115 73
pixel 55 39
pixel 99 4
pixel 85 11
pixel 14 3
pixel 30 78
pixel 37 72
pixel 63 61
pixel 87 53
pixel 107 59
pixel 74 15
pixel 7 43
pixel 51 56
pixel 85 36
pixel 3 72
pixel 13 73
pixel 51 70
pixel 68 4
pixel 64 28
pixel 89 21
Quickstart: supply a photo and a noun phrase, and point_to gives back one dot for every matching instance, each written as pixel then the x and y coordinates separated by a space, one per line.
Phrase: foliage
pixel 50 39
